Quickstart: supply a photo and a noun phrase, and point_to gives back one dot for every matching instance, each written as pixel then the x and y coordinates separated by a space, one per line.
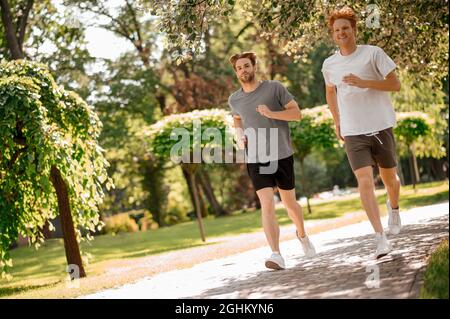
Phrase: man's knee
pixel 392 181
pixel 267 203
pixel 291 205
pixel 365 180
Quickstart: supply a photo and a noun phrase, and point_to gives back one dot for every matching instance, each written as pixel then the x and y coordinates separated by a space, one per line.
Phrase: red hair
pixel 343 13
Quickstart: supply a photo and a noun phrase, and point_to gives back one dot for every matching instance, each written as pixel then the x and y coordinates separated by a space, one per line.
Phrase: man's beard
pixel 247 78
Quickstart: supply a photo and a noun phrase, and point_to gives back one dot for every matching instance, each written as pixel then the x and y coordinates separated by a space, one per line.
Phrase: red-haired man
pixel 358 80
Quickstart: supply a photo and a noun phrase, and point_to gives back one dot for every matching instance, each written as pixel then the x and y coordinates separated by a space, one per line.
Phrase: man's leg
pixel 294 209
pixel 269 220
pixel 392 183
pixel 366 189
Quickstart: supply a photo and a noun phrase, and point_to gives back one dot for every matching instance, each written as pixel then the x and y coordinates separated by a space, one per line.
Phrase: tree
pixel 126 103
pixel 194 145
pixel 414 34
pixel 411 127
pixel 15 32
pixel 189 86
pixel 28 26
pixel 48 137
pixel 314 130
pixel 422 97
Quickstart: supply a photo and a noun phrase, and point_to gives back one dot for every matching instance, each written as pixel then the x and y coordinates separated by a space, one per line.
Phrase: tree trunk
pixel 413 167
pixel 416 168
pixel 189 172
pixel 191 186
pixel 201 196
pixel 22 25
pixel 71 246
pixel 302 181
pixel 10 30
pixel 400 172
pixel 205 183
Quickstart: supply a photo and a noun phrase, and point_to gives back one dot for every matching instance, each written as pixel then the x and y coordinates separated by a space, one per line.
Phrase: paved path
pixel 343 268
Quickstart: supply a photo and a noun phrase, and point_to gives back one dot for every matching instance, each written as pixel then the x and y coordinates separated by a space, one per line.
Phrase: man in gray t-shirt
pixel 261 111
pixel 260 148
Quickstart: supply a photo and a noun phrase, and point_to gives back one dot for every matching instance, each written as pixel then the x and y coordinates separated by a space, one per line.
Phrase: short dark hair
pixel 249 55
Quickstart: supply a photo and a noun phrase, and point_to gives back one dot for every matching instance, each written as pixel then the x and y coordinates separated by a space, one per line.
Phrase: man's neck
pixel 347 50
pixel 250 86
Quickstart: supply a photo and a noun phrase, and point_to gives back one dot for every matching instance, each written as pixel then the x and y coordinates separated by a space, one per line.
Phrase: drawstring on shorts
pixel 374 134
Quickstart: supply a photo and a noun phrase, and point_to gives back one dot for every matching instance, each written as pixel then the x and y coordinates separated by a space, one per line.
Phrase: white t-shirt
pixel 361 111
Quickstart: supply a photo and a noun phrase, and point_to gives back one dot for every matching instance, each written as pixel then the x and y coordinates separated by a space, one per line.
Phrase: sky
pixel 101 43
pixel 105 44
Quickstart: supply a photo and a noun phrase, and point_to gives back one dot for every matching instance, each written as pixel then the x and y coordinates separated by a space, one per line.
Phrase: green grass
pixel 435 284
pixel 34 270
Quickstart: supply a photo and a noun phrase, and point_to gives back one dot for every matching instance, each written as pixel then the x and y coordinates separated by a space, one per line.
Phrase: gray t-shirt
pixel 268 139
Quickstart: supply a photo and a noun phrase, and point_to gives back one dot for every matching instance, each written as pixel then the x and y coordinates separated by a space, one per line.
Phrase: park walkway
pixel 343 268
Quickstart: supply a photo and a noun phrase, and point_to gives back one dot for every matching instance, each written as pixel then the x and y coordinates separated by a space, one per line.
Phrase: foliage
pixel 311 176
pixel 126 104
pixel 43 126
pixel 162 135
pixel 119 223
pixel 414 35
pixel 435 284
pixel 315 129
pixel 422 97
pixel 193 16
pixel 410 127
pixel 55 37
pixel 122 140
pixel 177 206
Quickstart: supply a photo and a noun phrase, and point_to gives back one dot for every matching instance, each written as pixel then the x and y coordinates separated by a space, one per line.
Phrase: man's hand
pixel 353 80
pixel 264 110
pixel 338 132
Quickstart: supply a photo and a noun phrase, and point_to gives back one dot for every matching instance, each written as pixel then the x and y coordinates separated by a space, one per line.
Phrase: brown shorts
pixel 377 148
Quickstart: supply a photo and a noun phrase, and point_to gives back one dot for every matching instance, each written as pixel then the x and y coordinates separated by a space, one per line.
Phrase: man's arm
pixel 330 93
pixel 390 83
pixel 291 112
pixel 239 127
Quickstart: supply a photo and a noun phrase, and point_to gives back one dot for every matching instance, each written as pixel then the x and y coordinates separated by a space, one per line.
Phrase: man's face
pixel 343 33
pixel 245 71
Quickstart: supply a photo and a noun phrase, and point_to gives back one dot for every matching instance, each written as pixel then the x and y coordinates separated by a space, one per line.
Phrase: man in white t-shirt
pixel 358 80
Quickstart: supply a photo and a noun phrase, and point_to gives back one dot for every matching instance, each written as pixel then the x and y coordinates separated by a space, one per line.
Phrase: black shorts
pixel 283 177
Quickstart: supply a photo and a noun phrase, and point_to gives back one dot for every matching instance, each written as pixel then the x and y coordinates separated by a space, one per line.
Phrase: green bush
pixel 120 223
pixel 436 275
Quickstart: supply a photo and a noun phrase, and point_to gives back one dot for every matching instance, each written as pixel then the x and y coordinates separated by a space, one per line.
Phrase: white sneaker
pixel 383 245
pixel 275 261
pixel 394 221
pixel 308 247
